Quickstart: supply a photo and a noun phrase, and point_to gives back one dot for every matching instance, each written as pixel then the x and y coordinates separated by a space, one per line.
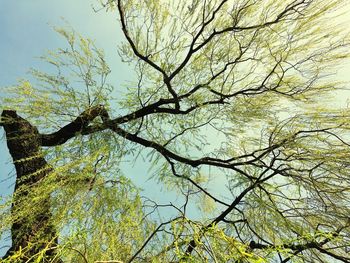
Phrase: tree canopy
pixel 235 92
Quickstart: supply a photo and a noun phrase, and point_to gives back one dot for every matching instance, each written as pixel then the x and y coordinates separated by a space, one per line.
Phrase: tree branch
pixel 75 127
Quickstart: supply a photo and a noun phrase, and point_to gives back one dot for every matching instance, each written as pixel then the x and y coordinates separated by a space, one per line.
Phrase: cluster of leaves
pixel 227 92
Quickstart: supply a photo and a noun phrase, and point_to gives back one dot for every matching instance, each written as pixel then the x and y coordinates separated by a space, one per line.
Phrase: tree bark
pixel 32 233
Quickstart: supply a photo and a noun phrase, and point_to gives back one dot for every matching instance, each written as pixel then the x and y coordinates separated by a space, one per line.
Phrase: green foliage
pixel 228 93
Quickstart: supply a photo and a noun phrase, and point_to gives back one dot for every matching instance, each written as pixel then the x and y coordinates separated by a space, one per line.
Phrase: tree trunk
pixel 32 232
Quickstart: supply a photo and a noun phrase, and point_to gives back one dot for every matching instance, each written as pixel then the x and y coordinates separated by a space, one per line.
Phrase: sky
pixel 26 32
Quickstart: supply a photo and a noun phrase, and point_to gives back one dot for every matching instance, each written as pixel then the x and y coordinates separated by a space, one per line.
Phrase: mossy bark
pixel 32 231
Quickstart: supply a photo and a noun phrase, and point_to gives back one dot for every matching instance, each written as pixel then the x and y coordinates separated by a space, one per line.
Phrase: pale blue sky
pixel 26 30
pixel 26 33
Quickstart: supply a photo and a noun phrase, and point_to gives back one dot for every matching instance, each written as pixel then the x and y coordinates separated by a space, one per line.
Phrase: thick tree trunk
pixel 31 233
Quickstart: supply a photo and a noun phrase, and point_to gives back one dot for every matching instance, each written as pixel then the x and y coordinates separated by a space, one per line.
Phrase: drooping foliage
pixel 234 94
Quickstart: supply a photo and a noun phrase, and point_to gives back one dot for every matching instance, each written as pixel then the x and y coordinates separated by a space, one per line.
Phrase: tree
pixel 232 91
